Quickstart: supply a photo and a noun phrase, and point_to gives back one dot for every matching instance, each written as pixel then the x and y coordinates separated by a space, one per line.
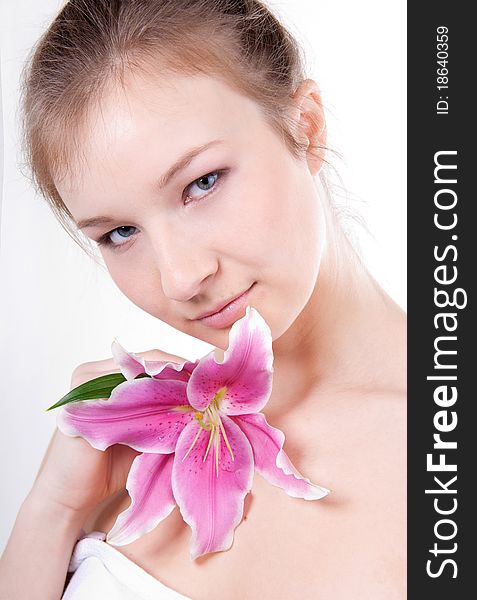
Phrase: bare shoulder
pixel 390 419
pixel 389 410
pixel 384 465
pixel 384 431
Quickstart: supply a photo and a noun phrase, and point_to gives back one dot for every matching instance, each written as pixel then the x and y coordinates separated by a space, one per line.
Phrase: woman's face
pixel 181 237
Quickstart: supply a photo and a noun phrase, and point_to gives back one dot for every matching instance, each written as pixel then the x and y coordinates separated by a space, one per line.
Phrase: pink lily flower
pixel 201 432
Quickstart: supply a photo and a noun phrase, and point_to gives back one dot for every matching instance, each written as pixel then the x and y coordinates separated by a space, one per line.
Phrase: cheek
pixel 278 227
pixel 250 219
pixel 139 282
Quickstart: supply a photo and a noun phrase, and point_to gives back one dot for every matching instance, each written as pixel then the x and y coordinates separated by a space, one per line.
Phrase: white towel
pixel 100 572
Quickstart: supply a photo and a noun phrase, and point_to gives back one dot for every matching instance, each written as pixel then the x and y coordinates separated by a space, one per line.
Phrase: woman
pixel 228 199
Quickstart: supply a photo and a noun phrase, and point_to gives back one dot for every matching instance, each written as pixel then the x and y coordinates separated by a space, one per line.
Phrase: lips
pixel 222 306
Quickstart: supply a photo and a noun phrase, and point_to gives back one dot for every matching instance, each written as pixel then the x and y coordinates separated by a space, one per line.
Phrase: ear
pixel 308 113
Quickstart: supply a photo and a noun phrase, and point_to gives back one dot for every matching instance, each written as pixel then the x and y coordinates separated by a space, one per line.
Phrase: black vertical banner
pixel 442 359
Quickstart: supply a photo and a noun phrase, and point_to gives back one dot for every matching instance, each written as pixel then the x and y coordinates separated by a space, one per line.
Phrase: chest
pixel 352 544
pixel 286 548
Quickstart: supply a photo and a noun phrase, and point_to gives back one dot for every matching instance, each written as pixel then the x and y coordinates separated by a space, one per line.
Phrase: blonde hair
pixel 92 44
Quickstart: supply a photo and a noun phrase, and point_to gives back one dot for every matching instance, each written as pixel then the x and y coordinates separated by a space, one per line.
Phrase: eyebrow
pixel 180 164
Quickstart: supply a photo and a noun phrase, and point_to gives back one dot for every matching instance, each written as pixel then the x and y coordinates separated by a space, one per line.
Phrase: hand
pixel 74 475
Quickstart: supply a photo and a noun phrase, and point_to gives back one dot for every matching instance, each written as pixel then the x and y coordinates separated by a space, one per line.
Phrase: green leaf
pixel 94 389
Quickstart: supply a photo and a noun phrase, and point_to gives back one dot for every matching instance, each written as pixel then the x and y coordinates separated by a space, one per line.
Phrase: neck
pixel 349 336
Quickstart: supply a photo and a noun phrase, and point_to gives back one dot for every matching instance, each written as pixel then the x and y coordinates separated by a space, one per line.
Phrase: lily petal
pixel 212 504
pixel 272 462
pixel 246 371
pixel 145 414
pixel 131 365
pixel 149 486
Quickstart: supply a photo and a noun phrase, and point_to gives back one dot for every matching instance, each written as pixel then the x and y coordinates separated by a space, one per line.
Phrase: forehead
pixel 161 115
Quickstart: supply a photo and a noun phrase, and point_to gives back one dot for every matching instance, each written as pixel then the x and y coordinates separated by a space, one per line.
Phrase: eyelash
pixel 105 239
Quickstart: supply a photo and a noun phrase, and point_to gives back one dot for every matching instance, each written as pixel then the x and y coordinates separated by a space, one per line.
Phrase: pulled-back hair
pixel 93 44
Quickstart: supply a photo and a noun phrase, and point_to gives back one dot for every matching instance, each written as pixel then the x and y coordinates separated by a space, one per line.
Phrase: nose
pixel 184 264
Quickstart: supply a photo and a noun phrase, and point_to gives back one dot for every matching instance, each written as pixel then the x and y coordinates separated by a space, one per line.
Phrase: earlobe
pixel 308 111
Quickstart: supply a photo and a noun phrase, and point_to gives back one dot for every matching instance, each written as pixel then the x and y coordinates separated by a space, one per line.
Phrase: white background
pixel 59 309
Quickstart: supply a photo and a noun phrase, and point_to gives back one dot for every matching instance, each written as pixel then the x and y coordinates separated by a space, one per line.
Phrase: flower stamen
pixel 193 443
pixel 222 428
pixel 199 417
pixel 212 431
pixel 217 440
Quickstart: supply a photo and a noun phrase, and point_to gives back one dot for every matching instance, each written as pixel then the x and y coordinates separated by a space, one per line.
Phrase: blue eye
pixel 204 183
pixel 122 232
